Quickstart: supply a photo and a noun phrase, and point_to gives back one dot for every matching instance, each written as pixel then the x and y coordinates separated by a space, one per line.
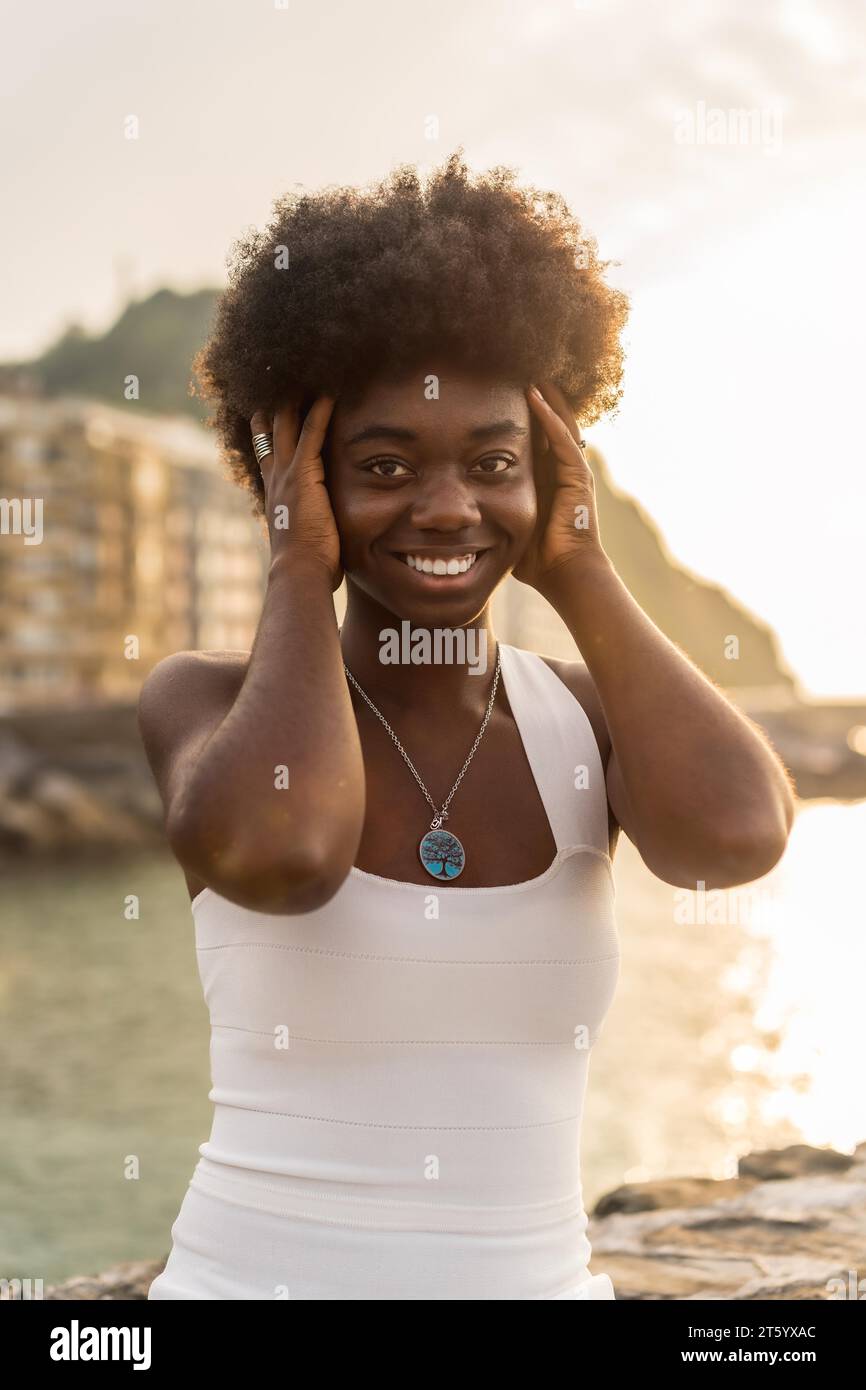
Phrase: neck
pixel 402 665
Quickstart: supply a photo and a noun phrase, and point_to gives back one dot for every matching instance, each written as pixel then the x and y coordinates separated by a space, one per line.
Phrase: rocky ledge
pixel 75 780
pixel 790 1225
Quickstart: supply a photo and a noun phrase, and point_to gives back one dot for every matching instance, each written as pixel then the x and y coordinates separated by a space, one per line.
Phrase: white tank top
pixel 398 1076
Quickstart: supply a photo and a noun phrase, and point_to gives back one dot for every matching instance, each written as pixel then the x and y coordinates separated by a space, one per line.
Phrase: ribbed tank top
pixel 399 1076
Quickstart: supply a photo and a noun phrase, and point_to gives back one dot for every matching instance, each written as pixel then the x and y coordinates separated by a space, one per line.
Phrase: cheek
pixel 360 515
pixel 525 509
pixel 346 498
pixel 336 490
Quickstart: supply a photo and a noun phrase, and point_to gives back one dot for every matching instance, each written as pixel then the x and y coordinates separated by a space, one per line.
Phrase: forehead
pixel 447 397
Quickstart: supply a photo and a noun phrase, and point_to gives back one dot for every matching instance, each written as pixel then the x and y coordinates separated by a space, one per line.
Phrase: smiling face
pixel 434 500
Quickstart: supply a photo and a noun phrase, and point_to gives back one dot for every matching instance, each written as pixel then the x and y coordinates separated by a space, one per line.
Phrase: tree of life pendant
pixel 441 853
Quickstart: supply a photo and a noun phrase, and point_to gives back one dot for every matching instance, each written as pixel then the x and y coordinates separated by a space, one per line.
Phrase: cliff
pixel 697 615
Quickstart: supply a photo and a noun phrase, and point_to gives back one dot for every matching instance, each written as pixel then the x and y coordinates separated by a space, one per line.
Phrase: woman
pixel 397 836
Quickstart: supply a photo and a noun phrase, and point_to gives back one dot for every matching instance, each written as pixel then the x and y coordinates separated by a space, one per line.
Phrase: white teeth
pixel 453 566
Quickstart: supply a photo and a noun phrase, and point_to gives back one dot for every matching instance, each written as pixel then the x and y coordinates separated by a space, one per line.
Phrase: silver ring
pixel 581 444
pixel 263 444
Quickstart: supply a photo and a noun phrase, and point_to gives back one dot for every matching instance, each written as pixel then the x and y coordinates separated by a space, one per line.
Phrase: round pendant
pixel 442 854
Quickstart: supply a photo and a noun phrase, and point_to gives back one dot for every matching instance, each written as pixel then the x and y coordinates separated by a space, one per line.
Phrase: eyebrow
pixel 478 432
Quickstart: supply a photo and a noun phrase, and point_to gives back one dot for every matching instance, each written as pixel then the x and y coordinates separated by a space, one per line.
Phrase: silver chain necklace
pixel 442 854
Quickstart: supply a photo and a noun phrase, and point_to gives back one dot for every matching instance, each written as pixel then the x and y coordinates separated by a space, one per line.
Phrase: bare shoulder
pixel 186 689
pixel 183 665
pixel 575 676
pixel 189 674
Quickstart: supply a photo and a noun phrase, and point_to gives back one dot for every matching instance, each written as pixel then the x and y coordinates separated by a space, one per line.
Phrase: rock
pixel 797 1161
pixel 75 778
pixel 23 824
pixel 667 1192
pixel 82 815
pixel 126 1281
pixel 59 812
pixel 793 1226
pixel 16 762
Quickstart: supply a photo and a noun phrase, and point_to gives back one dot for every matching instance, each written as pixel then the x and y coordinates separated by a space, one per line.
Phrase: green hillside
pixel 155 339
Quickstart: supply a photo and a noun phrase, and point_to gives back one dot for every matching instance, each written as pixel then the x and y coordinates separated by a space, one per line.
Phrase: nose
pixel 445 502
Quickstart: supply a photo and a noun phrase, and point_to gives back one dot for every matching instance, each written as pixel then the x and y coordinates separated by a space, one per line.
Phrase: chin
pixel 427 601
pixel 429 615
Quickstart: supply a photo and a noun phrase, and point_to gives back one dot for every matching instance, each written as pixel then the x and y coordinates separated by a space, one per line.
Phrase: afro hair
pixel 346 284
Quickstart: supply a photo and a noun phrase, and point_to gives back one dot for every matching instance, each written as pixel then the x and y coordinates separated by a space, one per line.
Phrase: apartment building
pixel 145 549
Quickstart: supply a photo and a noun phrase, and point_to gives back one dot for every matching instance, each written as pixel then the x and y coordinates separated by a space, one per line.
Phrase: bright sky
pixel 739 429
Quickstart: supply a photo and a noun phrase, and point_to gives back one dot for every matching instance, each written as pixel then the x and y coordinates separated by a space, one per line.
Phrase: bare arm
pixel 695 785
pixel 263 783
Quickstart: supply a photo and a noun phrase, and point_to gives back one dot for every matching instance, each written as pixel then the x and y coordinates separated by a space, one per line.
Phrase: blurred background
pixel 715 150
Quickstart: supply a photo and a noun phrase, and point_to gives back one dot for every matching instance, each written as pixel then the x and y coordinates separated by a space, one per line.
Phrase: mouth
pixel 440 570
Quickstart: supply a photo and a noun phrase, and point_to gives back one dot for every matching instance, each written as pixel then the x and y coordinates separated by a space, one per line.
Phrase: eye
pixel 505 459
pixel 386 465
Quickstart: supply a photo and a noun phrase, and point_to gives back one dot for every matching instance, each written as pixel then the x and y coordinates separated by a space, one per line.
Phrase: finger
pixel 544 460
pixel 559 425
pixel 287 423
pixel 262 423
pixel 557 399
pixel 315 428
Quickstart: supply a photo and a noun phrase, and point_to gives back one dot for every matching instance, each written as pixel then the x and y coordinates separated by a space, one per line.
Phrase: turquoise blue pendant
pixel 442 855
